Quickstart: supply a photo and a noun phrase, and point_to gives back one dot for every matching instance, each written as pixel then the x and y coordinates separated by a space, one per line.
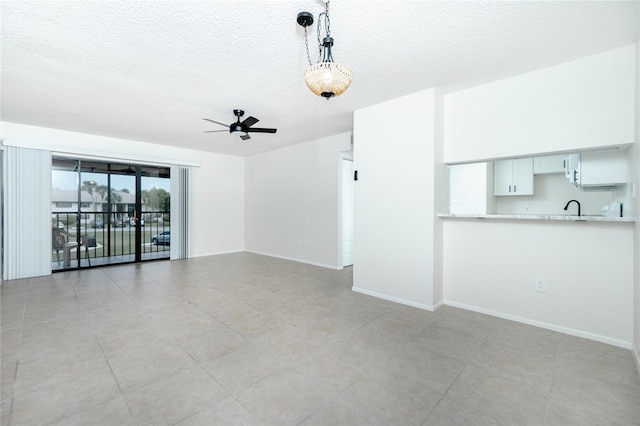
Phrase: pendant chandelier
pixel 325 78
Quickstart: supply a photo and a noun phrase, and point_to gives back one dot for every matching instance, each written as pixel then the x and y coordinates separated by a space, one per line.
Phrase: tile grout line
pixel 467 364
pixel 246 279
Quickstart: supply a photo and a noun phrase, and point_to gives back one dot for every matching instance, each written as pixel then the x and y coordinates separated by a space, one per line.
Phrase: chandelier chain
pixel 319 41
pixel 328 21
pixel 327 31
pixel 306 42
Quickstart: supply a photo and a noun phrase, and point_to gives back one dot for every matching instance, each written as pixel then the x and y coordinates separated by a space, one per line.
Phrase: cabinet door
pixel 513 177
pixel 523 176
pixel 601 168
pixel 503 177
pixel 549 164
pixel 572 163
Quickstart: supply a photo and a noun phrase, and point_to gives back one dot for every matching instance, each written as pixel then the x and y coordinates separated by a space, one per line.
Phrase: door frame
pixel 76 237
pixel 346 184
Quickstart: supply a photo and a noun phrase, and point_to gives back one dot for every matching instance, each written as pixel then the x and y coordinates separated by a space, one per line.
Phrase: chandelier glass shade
pixel 328 79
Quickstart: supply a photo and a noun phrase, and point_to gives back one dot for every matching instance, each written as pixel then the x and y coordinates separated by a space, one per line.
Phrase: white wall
pixel 219 181
pixel 585 103
pixel 397 235
pixel 635 201
pixel 440 192
pixel 490 266
pixel 220 207
pixel 293 201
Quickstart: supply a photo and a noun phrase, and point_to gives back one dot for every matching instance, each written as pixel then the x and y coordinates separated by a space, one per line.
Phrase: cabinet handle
pixel 514 188
pixel 509 188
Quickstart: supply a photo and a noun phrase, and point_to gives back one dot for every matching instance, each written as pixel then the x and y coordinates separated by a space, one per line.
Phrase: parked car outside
pixel 98 223
pixel 118 223
pixel 132 222
pixel 163 238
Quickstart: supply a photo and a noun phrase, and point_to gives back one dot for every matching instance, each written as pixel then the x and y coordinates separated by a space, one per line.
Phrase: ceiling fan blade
pixel 215 131
pixel 216 122
pixel 261 130
pixel 250 121
pixel 245 137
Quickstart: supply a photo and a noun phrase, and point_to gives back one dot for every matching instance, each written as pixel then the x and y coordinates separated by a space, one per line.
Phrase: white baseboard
pixel 308 262
pixel 636 356
pixel 430 308
pixel 542 324
pixel 438 305
pixel 217 253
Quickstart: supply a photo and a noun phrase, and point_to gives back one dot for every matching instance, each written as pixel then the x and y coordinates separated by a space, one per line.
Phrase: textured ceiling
pixel 151 70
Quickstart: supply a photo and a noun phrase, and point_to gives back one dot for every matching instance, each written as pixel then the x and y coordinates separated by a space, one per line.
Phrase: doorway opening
pixel 105 213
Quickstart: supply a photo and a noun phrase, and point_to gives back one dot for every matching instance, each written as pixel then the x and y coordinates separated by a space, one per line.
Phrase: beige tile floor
pixel 247 339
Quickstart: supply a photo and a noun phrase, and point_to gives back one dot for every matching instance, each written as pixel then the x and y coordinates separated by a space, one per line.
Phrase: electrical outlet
pixel 540 285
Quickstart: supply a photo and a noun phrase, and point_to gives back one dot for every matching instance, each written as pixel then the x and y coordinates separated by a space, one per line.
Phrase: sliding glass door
pixel 155 220
pixel 105 213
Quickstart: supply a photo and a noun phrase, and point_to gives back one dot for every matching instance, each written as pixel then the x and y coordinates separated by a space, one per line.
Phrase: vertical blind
pixel 182 188
pixel 26 237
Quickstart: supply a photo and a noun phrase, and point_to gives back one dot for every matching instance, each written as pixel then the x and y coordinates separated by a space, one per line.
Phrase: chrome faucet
pixel 573 201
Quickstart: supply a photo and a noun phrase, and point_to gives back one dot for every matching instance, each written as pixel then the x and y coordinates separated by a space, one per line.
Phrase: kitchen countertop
pixel 541 217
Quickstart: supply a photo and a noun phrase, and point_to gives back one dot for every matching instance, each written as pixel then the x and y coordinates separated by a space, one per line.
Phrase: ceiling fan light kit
pixel 325 78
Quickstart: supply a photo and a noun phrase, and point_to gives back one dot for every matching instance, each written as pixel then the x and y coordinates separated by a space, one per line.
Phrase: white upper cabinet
pixel 598 170
pixel 549 164
pixel 513 177
pixel 603 168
